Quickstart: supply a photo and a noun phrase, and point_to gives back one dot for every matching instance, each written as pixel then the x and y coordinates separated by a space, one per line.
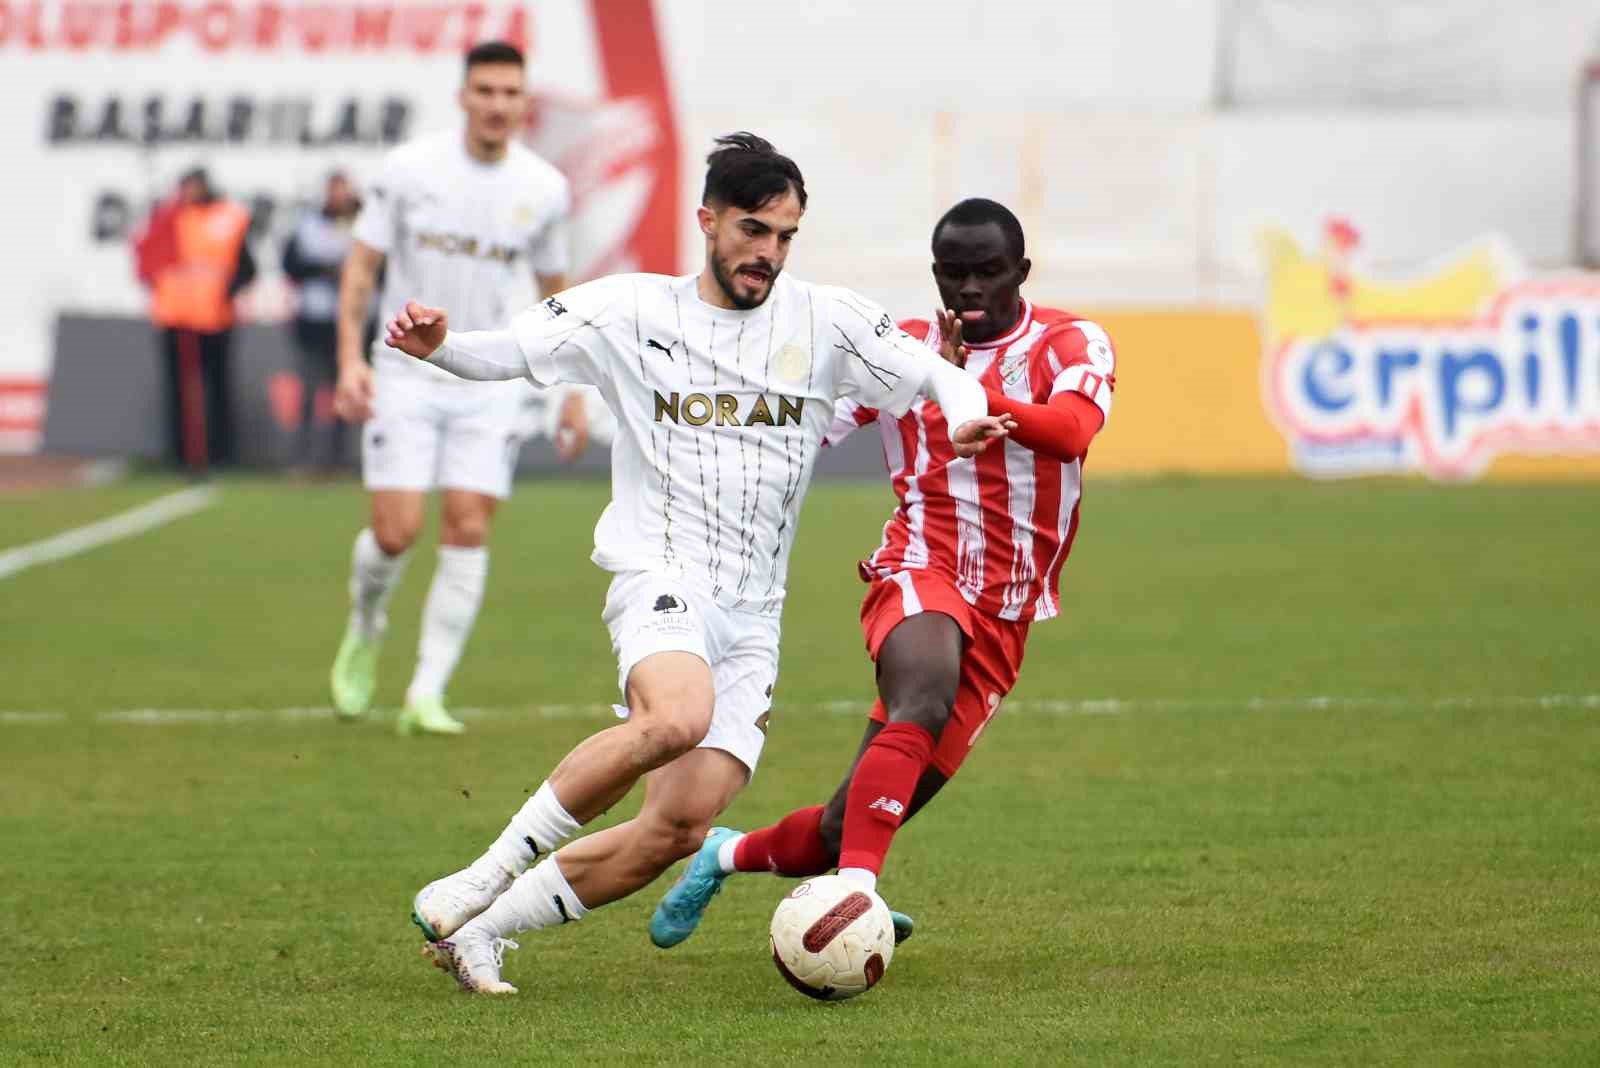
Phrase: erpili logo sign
pixel 1438 374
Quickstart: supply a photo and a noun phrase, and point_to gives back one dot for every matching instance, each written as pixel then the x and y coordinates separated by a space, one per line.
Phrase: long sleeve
pixel 482 356
pixel 1060 429
pixel 884 368
pixel 957 392
pixel 559 339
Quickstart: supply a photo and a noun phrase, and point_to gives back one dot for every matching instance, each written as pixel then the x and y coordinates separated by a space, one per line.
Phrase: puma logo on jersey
pixel 652 343
pixel 698 409
pixel 889 805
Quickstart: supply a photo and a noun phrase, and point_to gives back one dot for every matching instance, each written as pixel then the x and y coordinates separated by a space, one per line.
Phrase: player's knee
pixel 929 708
pixel 468 531
pixel 664 838
pixel 394 533
pixel 665 735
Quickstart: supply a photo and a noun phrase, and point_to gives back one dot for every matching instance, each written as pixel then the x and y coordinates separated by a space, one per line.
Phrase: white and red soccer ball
pixel 831 939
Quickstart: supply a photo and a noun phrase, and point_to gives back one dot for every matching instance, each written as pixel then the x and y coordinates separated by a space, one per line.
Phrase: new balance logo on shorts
pixel 668 603
pixel 889 805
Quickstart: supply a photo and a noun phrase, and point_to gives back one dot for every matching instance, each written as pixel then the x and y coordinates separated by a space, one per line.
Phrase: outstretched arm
pixel 883 367
pixel 479 355
pixel 1060 429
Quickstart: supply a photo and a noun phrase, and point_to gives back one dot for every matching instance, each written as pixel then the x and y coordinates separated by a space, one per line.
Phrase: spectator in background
pixel 193 257
pixel 312 259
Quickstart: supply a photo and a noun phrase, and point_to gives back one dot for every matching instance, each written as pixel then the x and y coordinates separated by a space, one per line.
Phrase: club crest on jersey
pixel 792 363
pixel 1015 369
pixel 698 409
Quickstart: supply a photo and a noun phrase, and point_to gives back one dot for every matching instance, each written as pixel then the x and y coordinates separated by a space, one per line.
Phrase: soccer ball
pixel 831 939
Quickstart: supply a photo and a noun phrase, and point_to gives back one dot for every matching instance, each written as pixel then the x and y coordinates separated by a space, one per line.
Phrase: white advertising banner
pixel 108 102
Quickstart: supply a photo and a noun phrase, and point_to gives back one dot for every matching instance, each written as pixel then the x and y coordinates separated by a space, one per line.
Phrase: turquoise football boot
pixel 680 910
pixel 904 926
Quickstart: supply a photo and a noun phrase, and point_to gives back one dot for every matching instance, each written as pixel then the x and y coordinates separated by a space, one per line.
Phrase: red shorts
pixel 990 659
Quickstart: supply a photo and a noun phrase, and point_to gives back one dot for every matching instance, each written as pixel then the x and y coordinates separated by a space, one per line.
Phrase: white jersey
pixel 462 234
pixel 720 413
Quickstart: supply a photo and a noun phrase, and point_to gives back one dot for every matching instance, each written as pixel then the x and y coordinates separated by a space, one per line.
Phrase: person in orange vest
pixel 193 257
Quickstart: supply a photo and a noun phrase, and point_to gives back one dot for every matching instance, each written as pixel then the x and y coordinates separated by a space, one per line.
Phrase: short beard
pixel 725 280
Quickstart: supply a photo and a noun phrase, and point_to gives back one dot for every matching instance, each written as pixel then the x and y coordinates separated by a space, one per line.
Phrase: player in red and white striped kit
pixel 971 557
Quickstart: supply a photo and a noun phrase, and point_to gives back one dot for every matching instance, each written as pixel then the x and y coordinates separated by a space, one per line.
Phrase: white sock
pixel 539 898
pixel 373 577
pixel 725 853
pixel 447 618
pixel 861 877
pixel 538 828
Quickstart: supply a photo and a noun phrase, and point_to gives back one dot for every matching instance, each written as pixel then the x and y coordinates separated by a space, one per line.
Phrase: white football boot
pixel 474 958
pixel 441 907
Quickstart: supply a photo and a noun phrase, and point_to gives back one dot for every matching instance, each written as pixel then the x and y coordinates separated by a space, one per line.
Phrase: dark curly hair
pixel 745 171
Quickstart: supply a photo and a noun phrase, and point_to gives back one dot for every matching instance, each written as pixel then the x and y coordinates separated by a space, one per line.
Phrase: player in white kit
pixel 472 220
pixel 723 385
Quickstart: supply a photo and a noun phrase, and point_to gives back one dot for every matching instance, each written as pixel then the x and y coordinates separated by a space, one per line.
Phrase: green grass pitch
pixel 1165 849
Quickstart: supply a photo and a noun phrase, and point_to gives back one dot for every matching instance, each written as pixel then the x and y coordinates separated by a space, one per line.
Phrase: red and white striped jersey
pixel 1000 524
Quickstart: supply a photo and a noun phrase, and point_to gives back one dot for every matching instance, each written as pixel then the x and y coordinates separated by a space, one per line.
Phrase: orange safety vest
pixel 192 292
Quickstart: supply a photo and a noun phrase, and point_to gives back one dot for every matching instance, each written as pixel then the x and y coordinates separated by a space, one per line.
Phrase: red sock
pixel 793 846
pixel 880 793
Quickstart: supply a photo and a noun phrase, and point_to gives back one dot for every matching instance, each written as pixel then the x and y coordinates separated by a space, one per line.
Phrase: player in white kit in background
pixel 723 386
pixel 473 220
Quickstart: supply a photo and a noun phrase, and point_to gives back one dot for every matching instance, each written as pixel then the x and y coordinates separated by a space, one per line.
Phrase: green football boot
pixel 427 716
pixel 355 674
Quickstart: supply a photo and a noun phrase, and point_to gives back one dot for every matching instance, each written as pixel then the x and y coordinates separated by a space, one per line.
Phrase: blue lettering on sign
pixel 1455 380
pixel 1445 397
pixel 1327 362
pixel 1391 361
pixel 1569 356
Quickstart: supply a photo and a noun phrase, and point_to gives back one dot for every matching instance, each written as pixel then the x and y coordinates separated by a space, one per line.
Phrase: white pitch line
pixel 1110 706
pixel 160 511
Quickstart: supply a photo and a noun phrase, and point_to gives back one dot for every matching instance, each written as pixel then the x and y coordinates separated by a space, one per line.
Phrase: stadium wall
pixel 1145 200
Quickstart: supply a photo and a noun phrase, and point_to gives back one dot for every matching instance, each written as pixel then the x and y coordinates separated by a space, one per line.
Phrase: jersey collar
pixel 1024 320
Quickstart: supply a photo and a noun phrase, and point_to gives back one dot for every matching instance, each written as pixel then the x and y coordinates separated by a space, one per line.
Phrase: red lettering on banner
pixel 263 25
pixel 214 25
pixel 516 31
pixel 425 26
pixel 32 32
pixel 472 19
pixel 123 36
pixel 269 24
pixel 169 16
pixel 370 27
pixel 78 25
pixel 316 26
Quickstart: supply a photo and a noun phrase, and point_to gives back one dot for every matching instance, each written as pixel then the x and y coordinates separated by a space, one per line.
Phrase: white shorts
pixel 648 613
pixel 425 436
